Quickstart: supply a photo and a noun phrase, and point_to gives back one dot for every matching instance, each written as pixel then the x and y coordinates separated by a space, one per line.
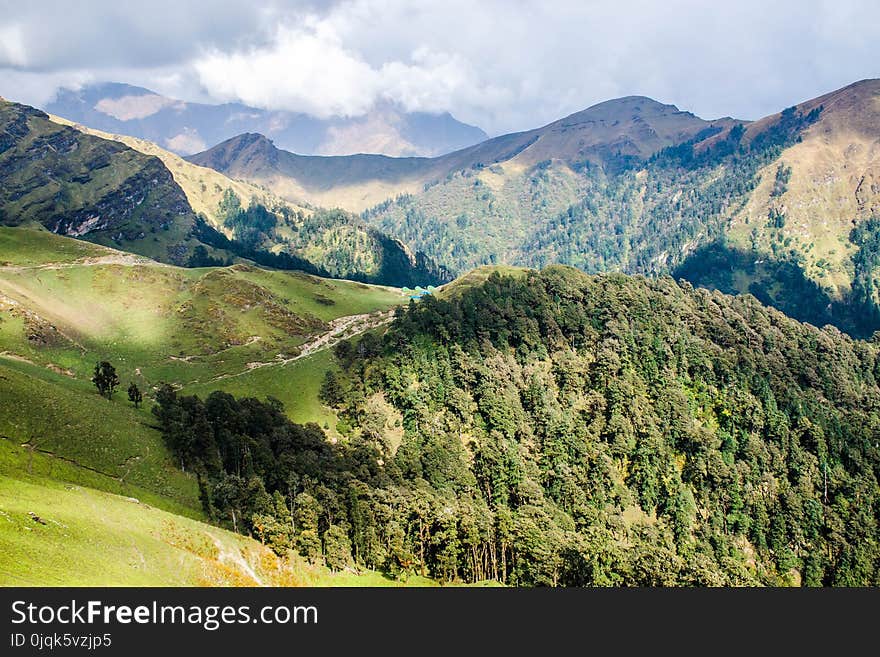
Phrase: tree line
pixel 565 429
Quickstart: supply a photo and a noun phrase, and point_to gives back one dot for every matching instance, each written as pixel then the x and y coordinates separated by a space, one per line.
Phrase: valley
pixel 651 358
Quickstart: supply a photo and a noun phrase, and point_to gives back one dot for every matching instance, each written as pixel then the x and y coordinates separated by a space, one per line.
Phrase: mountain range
pixel 185 128
pixel 569 406
pixel 633 127
pixel 84 183
pixel 768 207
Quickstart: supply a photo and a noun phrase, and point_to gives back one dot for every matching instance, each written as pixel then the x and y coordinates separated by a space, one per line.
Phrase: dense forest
pixel 329 243
pixel 668 214
pixel 556 428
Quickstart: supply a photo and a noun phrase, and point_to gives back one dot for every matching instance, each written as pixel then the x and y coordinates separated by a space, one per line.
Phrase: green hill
pixel 139 198
pixel 67 305
pixel 555 428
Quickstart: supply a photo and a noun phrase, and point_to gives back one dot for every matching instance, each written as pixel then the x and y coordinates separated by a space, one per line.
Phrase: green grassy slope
pixel 37 247
pixel 295 384
pixel 65 304
pixel 89 537
pixel 110 439
pixel 118 510
pixel 159 323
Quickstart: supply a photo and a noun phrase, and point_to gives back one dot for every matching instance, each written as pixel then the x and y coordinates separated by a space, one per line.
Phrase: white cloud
pixel 186 143
pixel 310 69
pixel 12 45
pixel 502 64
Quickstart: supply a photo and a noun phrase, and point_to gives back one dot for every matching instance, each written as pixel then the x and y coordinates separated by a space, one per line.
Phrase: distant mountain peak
pixel 187 128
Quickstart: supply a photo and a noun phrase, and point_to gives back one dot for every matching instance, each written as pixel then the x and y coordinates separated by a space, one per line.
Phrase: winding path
pixel 127 259
pixel 340 328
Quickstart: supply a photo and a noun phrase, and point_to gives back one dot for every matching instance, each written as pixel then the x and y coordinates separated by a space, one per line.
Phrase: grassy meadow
pixel 115 508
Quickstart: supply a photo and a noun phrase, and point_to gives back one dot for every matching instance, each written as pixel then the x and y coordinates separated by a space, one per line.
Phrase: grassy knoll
pixel 159 323
pixel 90 537
pixel 61 310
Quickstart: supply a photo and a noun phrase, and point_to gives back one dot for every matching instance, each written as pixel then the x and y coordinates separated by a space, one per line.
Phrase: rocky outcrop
pixel 80 185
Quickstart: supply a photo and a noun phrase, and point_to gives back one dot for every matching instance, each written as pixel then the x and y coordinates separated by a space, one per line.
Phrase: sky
pixel 502 65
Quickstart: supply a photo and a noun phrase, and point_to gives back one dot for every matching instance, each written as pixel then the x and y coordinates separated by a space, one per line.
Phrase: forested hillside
pixel 780 208
pixel 556 428
pixel 330 243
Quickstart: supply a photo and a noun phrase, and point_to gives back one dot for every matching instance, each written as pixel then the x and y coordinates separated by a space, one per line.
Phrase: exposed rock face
pixel 79 185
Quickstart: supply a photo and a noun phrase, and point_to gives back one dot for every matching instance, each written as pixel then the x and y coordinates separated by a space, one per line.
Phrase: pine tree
pixel 105 379
pixel 134 395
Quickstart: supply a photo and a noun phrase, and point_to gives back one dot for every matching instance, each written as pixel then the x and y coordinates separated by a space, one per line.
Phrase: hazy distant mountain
pixel 187 128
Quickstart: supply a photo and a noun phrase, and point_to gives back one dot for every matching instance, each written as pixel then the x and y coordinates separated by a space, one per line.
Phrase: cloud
pixel 501 64
pixel 58 34
pixel 300 70
pixel 509 65
pixel 187 142
pixel 12 45
pixel 128 108
pixel 310 69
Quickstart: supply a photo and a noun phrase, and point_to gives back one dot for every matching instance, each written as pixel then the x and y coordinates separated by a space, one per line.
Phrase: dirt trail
pixel 127 259
pixel 340 328
pixel 225 555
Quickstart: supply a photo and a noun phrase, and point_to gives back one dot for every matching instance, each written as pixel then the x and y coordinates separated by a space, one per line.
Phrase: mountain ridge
pixel 356 182
pixel 127 193
pixel 186 127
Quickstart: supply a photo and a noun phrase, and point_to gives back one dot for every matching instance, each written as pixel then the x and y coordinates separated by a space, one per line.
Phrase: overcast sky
pixel 503 65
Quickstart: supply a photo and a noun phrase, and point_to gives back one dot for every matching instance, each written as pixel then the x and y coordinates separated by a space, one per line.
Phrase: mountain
pixel 140 198
pixel 816 211
pixel 187 128
pixel 79 185
pixel 204 188
pixel 785 208
pixel 633 127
